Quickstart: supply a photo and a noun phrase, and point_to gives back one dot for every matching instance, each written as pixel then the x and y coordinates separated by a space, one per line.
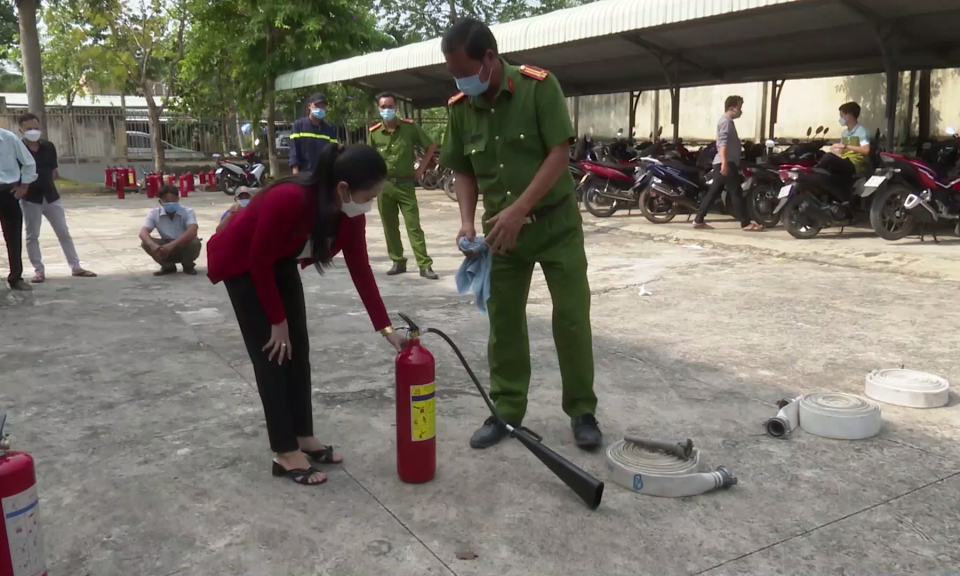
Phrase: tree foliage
pixel 73 55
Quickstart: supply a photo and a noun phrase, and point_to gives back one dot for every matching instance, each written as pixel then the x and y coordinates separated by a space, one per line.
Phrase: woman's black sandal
pixel 324 456
pixel 298 475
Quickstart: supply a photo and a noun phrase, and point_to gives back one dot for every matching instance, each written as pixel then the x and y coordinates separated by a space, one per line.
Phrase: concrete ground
pixel 137 399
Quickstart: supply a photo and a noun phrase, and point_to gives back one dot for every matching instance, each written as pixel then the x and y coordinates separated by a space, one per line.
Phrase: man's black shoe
pixel 190 270
pixel 398 268
pixel 164 270
pixel 20 285
pixel 586 432
pixel 489 434
pixel 428 273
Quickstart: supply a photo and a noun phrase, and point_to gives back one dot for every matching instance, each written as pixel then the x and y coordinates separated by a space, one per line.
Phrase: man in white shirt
pixel 18 170
pixel 177 226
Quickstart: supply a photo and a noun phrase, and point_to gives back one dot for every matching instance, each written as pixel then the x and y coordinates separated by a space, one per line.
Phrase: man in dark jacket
pixel 311 134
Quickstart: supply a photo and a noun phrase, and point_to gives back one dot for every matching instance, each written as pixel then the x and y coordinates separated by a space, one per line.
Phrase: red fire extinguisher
pixel 21 541
pixel 203 178
pixel 152 183
pixel 121 183
pixel 108 177
pixel 131 177
pixel 184 183
pixel 416 411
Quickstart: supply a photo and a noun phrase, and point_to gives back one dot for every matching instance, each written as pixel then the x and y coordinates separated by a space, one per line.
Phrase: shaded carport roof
pixel 628 45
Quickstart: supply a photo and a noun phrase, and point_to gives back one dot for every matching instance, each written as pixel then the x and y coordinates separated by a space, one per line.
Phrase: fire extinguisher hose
pixel 587 487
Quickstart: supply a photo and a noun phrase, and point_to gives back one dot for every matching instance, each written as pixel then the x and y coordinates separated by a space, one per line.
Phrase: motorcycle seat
pixel 681 166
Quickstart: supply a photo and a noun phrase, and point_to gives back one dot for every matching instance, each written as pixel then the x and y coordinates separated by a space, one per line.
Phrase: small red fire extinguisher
pixel 416 411
pixel 21 542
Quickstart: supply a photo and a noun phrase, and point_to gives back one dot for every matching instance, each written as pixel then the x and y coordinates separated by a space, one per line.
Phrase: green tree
pixel 30 52
pixel 144 43
pixel 261 39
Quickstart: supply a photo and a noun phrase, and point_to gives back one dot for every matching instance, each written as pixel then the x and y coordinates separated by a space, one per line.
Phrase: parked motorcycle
pixel 813 199
pixel 912 191
pixel 231 174
pixel 762 175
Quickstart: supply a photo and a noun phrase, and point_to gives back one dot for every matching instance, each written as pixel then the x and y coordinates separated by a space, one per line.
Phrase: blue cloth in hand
pixel 474 274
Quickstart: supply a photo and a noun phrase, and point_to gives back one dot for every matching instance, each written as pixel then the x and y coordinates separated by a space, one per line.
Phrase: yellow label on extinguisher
pixel 423 412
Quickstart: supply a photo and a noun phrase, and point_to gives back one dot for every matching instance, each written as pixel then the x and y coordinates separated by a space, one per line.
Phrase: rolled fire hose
pixel 828 414
pixel 664 469
pixel 909 388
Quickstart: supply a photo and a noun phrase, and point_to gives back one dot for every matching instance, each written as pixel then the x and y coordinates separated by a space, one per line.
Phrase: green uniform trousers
pixel 394 199
pixel 556 243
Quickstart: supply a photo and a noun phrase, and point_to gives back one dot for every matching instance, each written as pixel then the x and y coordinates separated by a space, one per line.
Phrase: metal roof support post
pixel 893 90
pixel 576 115
pixel 634 100
pixel 777 89
pixel 675 111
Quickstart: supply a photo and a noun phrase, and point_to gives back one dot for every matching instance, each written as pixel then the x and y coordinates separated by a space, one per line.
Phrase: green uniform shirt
pixel 397 147
pixel 504 143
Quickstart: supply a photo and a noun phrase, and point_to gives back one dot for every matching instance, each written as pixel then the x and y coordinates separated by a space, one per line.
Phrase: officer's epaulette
pixel 534 72
pixel 376 126
pixel 408 120
pixel 455 98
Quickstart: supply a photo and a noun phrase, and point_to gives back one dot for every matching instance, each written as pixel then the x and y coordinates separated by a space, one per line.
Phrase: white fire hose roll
pixel 908 388
pixel 828 414
pixel 645 467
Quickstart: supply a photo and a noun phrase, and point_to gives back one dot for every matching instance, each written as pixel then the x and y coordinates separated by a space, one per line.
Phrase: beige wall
pixel 803 103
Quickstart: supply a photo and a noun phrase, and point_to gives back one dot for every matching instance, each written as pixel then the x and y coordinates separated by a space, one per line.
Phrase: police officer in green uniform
pixel 508 136
pixel 395 140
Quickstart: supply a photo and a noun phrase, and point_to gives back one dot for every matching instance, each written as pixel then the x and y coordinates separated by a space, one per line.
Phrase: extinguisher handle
pixel 413 325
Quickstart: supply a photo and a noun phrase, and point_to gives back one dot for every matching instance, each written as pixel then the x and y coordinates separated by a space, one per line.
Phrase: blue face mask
pixel 843 122
pixel 388 114
pixel 318 113
pixel 243 202
pixel 170 207
pixel 472 85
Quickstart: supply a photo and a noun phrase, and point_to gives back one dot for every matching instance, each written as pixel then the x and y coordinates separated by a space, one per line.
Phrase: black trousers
pixel 842 172
pixel 732 183
pixel 11 219
pixel 284 389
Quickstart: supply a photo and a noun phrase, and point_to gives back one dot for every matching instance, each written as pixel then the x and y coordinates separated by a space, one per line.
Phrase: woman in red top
pixel 256 257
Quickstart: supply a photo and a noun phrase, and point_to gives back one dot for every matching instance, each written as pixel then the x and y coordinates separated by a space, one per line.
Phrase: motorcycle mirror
pixel 951 131
pixel 619 132
pixel 770 143
pixel 819 130
pixel 809 130
pixel 659 131
pixel 825 130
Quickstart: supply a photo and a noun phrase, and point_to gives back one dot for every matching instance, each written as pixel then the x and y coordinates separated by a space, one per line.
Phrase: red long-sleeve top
pixel 274 226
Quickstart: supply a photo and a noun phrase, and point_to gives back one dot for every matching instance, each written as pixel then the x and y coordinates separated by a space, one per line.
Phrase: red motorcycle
pixel 909 190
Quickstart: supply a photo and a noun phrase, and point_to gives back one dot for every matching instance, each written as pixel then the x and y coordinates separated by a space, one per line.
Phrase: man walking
pixel 43 201
pixel 18 170
pixel 311 135
pixel 726 167
pixel 508 136
pixel 395 140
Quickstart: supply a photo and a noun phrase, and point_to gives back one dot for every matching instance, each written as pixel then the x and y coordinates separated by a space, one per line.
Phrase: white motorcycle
pixel 231 174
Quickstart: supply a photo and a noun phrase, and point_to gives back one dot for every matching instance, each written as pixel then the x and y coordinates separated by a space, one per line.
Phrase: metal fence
pixel 107 134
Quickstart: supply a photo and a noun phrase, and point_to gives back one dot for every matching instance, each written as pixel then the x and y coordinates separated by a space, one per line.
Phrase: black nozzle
pixel 588 488
pixel 413 325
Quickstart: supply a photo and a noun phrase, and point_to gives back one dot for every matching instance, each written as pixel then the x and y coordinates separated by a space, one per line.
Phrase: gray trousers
pixel 33 215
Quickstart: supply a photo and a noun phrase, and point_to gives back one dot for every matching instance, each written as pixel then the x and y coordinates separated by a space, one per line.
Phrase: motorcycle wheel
pixel 796 222
pixel 448 187
pixel 430 180
pixel 761 201
pixel 596 203
pixel 656 210
pixel 229 183
pixel 889 219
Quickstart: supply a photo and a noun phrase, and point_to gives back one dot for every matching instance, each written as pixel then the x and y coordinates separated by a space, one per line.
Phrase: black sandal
pixel 324 456
pixel 299 475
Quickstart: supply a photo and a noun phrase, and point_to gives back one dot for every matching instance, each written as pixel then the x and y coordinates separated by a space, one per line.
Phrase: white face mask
pixel 353 209
pixel 32 135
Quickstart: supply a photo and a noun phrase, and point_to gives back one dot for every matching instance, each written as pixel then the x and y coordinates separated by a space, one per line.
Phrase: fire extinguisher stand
pixel 21 541
pixel 416 411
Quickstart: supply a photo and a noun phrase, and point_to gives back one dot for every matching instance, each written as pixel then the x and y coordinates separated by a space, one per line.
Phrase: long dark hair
pixel 361 167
